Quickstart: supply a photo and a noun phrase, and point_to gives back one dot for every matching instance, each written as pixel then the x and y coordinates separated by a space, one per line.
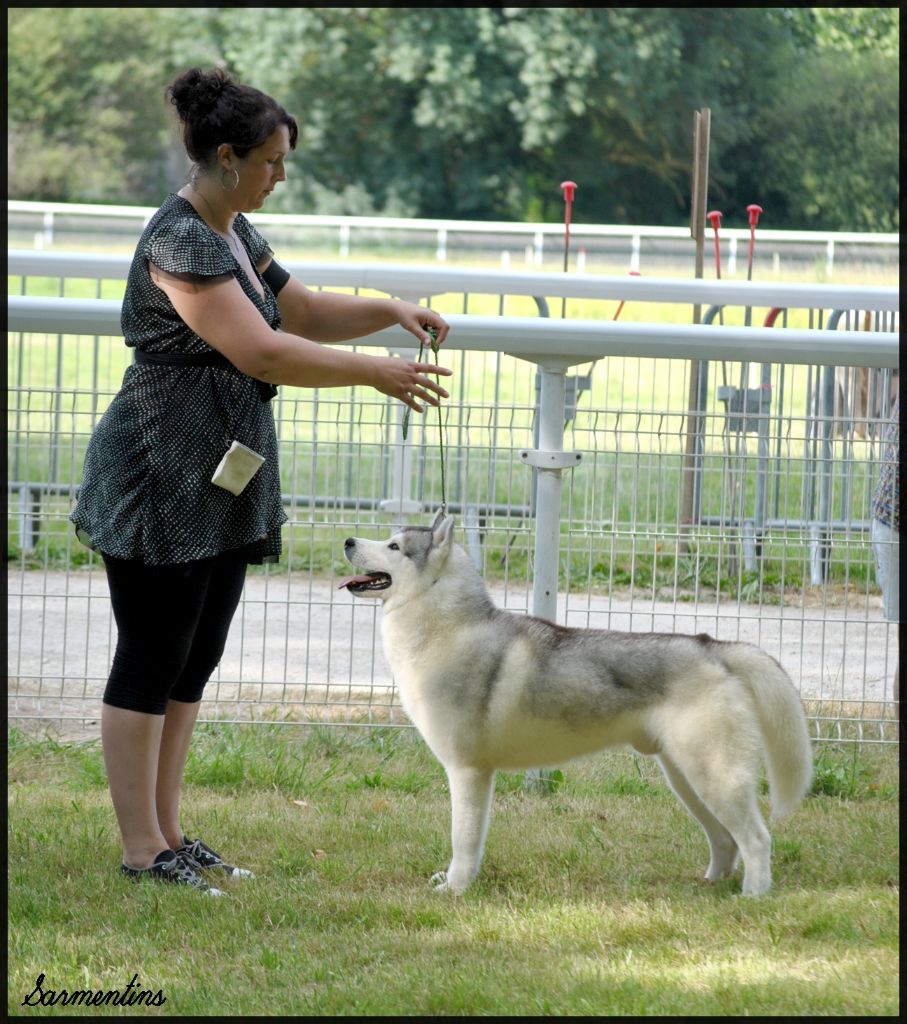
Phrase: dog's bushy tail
pixel 782 723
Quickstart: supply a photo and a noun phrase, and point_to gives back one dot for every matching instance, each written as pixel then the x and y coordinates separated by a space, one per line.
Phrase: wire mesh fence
pixel 749 558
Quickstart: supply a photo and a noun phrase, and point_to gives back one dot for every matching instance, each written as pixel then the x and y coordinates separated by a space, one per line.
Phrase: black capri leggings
pixel 172 624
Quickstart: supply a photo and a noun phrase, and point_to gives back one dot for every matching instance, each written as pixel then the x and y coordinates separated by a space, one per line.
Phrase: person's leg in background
pixel 887 548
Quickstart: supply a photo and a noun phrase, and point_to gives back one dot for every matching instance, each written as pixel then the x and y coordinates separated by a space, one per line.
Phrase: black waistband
pixel 212 358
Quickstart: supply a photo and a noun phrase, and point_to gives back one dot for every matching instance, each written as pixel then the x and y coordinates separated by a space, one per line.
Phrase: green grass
pixel 589 902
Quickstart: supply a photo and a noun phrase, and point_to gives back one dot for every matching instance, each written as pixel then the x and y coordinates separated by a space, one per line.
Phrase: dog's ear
pixel 442 531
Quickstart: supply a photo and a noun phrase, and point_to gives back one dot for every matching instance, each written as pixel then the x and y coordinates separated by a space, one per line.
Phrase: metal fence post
pixel 820 526
pixel 762 470
pixel 548 462
pixel 820 530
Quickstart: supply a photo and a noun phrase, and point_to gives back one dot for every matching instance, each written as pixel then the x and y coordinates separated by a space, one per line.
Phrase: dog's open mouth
pixel 366 582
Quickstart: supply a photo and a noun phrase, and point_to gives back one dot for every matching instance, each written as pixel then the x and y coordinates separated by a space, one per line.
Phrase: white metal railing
pixel 442 230
pixel 421 282
pixel 553 345
pixel 541 339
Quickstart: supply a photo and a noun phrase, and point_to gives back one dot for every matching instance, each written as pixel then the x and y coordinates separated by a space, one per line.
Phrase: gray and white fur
pixel 490 689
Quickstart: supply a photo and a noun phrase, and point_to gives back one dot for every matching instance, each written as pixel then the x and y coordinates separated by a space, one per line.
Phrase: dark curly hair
pixel 214 108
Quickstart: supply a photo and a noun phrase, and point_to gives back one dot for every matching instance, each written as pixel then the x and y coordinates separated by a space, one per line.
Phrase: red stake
pixel 634 273
pixel 715 217
pixel 569 187
pixel 753 210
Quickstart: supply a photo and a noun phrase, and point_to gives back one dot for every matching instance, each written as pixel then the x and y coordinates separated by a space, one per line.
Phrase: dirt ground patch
pixel 300 648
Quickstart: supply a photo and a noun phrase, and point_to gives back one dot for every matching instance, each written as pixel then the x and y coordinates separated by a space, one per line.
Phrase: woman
pixel 180 490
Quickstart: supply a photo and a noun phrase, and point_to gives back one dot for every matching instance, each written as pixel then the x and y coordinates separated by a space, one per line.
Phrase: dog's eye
pixel 394 546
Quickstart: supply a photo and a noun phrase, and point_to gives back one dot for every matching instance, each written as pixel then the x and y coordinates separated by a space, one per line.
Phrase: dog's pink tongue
pixel 354 579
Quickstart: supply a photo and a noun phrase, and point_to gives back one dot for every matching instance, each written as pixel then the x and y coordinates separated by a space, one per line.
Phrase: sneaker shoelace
pixel 186 870
pixel 198 853
pixel 204 857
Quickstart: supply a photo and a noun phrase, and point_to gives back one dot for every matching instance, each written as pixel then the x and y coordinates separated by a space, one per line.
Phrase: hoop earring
pixel 232 170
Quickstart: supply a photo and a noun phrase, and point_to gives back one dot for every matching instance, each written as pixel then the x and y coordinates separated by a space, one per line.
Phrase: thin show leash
pixel 434 347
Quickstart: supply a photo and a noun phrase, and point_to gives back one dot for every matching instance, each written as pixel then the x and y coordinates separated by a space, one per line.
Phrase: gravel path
pixel 298 642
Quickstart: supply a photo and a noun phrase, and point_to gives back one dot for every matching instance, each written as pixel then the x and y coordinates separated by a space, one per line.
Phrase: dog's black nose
pixel 350 542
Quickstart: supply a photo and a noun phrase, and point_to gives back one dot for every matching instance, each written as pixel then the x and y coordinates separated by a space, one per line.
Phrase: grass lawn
pixel 590 901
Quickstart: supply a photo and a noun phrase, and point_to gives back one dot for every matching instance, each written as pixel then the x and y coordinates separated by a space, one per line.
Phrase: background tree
pixel 476 112
pixel 86 111
pixel 829 143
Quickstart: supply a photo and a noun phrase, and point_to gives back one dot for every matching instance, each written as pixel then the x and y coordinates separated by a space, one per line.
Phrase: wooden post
pixel 698 206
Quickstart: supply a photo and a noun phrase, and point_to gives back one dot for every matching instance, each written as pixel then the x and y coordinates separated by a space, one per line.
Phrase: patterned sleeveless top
pixel 146 490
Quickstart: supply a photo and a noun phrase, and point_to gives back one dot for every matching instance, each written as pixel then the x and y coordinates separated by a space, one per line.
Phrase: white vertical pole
pixel 548 462
pixel 552 403
pixel 634 253
pixel 539 240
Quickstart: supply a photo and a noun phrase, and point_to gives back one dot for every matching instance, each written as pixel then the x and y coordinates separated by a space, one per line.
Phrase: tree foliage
pixel 480 112
pixel 843 173
pixel 87 117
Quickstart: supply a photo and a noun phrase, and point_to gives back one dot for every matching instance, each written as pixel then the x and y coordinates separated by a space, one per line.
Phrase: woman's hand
pixel 417 318
pixel 405 380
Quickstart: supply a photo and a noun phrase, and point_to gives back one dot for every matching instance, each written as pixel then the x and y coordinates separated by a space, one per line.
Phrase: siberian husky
pixel 489 689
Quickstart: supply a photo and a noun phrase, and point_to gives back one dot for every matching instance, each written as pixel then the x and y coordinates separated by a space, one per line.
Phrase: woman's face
pixel 260 171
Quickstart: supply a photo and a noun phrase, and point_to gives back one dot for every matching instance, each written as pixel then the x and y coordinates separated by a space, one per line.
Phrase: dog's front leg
pixel 471 790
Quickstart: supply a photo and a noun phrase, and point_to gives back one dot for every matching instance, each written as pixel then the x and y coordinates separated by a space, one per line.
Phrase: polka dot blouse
pixel 146 490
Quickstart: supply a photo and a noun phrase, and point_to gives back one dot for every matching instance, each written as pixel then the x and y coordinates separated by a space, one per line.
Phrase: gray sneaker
pixel 172 866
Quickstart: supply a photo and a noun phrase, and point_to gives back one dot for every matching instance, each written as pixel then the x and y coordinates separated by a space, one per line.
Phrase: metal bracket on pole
pixel 551 460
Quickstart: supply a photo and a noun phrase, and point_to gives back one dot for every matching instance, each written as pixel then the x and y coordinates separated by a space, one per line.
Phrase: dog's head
pixel 405 564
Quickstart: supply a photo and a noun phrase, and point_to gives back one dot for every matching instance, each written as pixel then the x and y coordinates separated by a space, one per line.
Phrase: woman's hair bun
pixel 214 108
pixel 195 93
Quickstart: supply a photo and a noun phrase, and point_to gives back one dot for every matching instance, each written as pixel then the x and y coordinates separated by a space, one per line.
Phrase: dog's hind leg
pixel 723 776
pixel 471 790
pixel 738 811
pixel 723 851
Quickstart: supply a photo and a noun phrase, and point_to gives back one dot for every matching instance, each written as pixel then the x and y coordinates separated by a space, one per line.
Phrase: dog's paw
pixel 441 881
